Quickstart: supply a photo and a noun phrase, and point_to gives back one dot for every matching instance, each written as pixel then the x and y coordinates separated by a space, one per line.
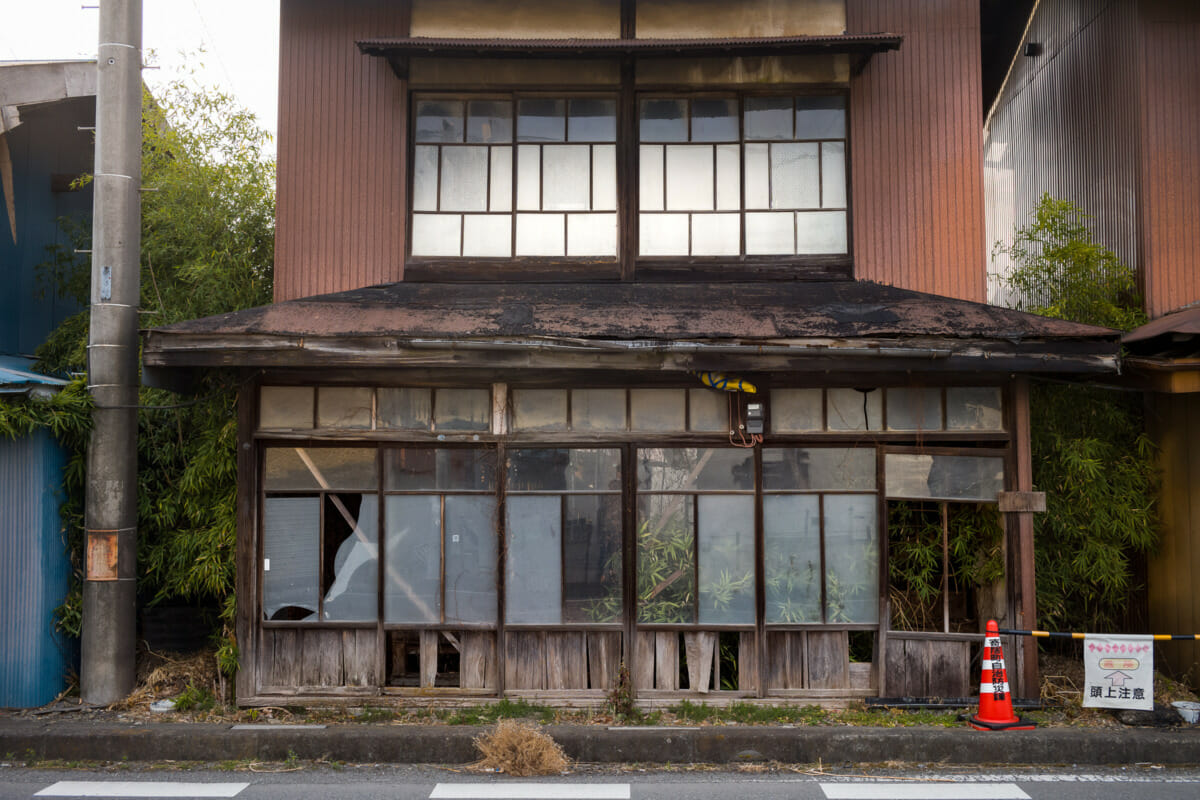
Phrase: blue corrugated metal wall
pixel 34 571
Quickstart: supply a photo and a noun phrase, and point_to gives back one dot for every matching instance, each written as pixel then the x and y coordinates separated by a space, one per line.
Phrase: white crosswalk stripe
pixel 140 789
pixel 923 791
pixel 530 791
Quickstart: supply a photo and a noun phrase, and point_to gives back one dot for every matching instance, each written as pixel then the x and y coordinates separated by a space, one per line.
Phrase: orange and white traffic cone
pixel 995 700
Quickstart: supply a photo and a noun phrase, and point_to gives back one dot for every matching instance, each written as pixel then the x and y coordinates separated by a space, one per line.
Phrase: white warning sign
pixel 1119 672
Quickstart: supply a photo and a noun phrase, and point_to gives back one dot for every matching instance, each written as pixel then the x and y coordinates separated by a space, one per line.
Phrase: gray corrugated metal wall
pixel 1066 123
pixel 34 571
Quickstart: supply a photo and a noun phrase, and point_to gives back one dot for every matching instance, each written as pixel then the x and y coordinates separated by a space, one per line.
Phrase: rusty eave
pixel 632 325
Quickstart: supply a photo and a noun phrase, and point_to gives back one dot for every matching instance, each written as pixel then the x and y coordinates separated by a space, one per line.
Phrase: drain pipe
pixel 107 667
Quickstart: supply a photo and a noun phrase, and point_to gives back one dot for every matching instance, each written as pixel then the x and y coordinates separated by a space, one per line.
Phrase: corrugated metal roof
pixel 422 45
pixel 17 375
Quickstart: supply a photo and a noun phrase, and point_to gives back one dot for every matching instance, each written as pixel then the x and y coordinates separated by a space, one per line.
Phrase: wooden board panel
pixel 666 660
pixel 321 658
pixel 699 647
pixel 477 665
pixel 949 665
pixel 604 659
pixel 643 677
pixel 897 664
pixel 747 662
pixel 524 660
pixel 429 650
pixel 359 657
pixel 828 660
pixel 777 661
pixel 566 660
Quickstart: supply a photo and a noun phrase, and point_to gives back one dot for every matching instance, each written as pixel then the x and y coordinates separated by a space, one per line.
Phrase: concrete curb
pixel 411 744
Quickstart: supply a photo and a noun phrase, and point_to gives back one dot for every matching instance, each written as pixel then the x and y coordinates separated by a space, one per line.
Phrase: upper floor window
pixel 498 177
pixel 738 176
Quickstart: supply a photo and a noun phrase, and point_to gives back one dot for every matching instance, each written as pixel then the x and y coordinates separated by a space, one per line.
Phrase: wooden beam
pixel 1027 593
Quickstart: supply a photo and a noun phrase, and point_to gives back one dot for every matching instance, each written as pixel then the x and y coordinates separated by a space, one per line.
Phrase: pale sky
pixel 240 39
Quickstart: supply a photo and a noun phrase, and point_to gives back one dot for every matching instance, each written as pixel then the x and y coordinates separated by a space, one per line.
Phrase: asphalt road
pixel 594 783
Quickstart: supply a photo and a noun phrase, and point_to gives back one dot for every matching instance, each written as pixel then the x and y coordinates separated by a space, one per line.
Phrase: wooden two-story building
pixel 480 455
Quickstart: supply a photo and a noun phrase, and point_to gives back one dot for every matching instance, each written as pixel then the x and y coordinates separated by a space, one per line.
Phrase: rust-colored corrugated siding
pixel 916 148
pixel 1170 160
pixel 1066 123
pixel 340 200
pixel 1174 422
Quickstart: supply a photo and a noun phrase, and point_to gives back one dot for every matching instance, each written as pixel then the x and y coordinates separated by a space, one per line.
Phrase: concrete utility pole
pixel 109 592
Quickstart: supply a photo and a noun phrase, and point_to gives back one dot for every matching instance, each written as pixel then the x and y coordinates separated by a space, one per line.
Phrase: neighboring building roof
pixel 1167 332
pixel 853 320
pixel 17 377
pixel 29 83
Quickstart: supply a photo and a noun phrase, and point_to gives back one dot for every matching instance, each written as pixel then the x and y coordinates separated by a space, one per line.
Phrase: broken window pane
pixel 285 407
pixel 943 477
pixel 725 527
pixel 792 557
pixel 351 556
pixel 592 566
pixel 345 406
pixel 291 538
pixel 855 409
pixel 851 559
pixel 666 559
pixel 412 585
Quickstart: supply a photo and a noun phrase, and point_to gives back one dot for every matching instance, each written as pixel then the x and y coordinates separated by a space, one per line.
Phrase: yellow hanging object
pixel 721 381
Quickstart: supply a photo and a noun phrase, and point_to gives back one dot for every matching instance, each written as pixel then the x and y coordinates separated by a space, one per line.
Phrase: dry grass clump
pixel 163 675
pixel 520 749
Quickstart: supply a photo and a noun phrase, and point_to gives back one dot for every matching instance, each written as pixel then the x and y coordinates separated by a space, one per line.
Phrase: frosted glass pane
pixel 592 566
pixel 462 409
pixel 501 189
pixel 768 118
pixel 425 178
pixel 533 563
pixel 657 409
pixel 792 558
pixel 541 120
pixel 663 234
pixel 663 121
pixel 470 559
pixel 820 118
pixel 796 410
pixel 436 234
pixel 406 409
pixel 714 120
pixel 795 180
pixel 529 177
pixel 487 235
pixel 716 234
pixel 413 576
pixel 592 120
pixel 604 177
pixel 464 178
pixel 912 409
pixel 974 409
pixel 822 469
pixel 291 539
pixel 852 410
pixel 285 407
pixel 541 234
pixel 419 469
pixel 566 173
pixel 319 468
pixel 539 409
pixel 591 234
pixel 650 178
pixel 833 175
pixel 598 409
pixel 344 406
pixel 564 469
pixel 821 232
pixel 758 176
pixel 689 178
pixel 666 574
pixel 681 469
pixel 770 234
pixel 489 121
pixel 352 558
pixel 938 477
pixel 729 177
pixel 851 559
pixel 708 410
pixel 725 530
pixel 439 121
